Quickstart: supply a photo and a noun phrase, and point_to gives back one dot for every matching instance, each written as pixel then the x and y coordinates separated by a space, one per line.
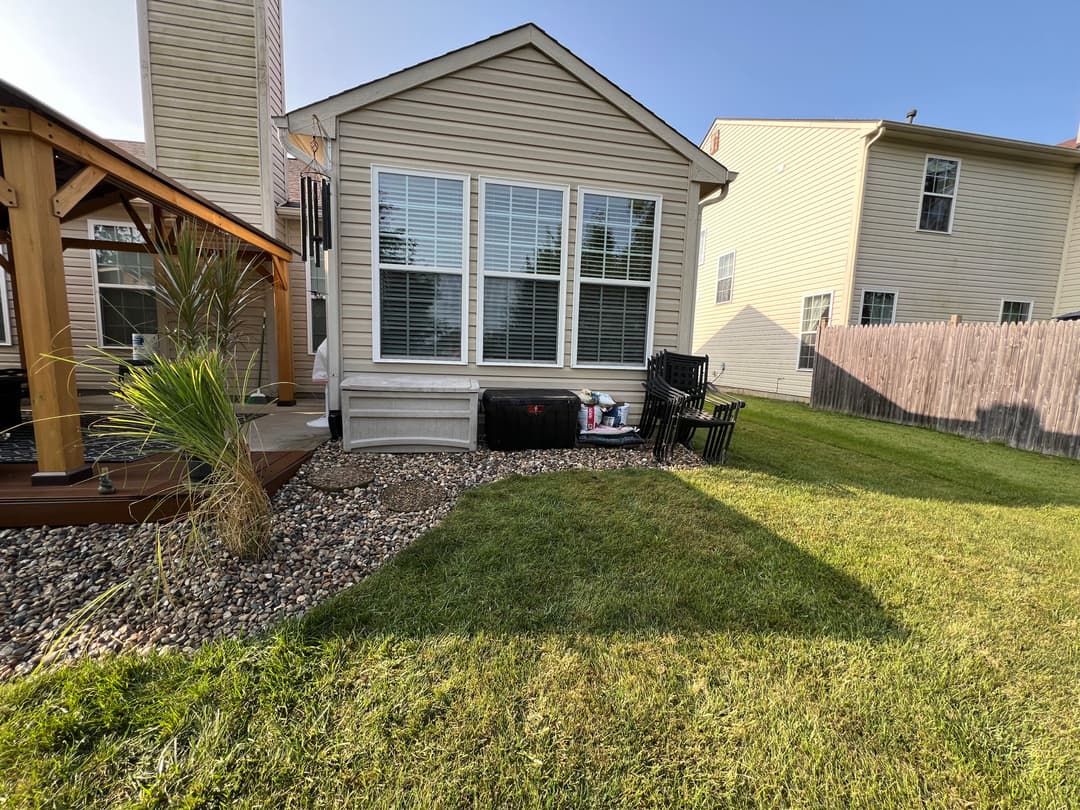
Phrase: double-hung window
pixel 420 253
pixel 316 284
pixel 725 277
pixel 522 261
pixel 615 285
pixel 1015 311
pixel 814 308
pixel 938 202
pixel 126 301
pixel 878 307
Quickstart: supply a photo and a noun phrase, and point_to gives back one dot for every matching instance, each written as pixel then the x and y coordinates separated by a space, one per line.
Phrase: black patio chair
pixel 689 375
pixel 664 403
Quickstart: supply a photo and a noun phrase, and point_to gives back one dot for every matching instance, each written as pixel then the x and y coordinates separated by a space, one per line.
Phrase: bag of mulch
pixel 589 416
pixel 620 414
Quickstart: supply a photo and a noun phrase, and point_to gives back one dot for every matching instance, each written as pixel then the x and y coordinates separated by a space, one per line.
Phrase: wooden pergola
pixel 52 171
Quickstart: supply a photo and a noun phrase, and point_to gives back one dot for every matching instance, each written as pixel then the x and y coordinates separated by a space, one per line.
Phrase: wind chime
pixel 314 217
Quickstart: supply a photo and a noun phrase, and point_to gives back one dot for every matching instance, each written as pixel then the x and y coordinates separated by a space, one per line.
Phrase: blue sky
pixel 981 66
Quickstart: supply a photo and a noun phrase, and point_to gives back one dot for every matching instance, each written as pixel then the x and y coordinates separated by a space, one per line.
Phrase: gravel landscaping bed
pixel 323 541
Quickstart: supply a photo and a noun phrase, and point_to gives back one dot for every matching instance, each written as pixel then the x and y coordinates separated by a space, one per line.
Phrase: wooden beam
pixel 286 377
pixel 43 318
pixel 76 188
pixel 79 243
pixel 87 207
pixel 136 220
pixel 146 185
pixel 8 197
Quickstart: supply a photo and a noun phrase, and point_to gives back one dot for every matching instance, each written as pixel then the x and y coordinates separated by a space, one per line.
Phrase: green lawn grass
pixel 850 614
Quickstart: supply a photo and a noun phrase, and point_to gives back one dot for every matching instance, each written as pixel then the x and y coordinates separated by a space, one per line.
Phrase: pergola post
pixel 283 333
pixel 44 324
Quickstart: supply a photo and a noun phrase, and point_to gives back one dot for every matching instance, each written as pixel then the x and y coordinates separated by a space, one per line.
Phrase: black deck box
pixel 530 418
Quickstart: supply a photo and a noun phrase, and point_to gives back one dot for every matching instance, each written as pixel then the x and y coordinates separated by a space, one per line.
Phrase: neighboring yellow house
pixel 874 222
pixel 506 214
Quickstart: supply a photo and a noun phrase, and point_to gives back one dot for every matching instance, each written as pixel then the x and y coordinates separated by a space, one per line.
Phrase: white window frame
pixel 561 338
pixel 716 295
pixel 703 238
pixel 307 289
pixel 895 293
pixel 5 309
pixel 923 192
pixel 798 343
pixel 376 326
pixel 90 223
pixel 651 285
pixel 1028 301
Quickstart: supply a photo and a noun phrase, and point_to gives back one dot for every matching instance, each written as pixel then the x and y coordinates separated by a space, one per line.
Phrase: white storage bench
pixel 409 413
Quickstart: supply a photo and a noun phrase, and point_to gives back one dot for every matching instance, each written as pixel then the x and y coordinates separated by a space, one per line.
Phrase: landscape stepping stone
pixel 335 479
pixel 415 495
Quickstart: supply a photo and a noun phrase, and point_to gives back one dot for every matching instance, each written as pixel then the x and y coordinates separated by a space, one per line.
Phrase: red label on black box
pixel 535 410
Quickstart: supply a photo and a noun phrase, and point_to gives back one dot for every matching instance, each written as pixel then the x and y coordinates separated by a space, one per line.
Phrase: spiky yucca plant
pixel 184 401
pixel 205 284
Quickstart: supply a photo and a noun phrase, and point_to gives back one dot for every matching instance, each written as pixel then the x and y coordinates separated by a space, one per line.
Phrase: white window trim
pixel 798 342
pixel 307 303
pixel 923 192
pixel 5 311
pixel 561 338
pixel 651 285
pixel 90 223
pixel 716 292
pixel 1028 301
pixel 703 238
pixel 862 294
pixel 376 348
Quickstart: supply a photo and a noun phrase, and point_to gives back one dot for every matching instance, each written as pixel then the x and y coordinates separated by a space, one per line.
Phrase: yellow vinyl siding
pixel 789 218
pixel 1006 242
pixel 516 116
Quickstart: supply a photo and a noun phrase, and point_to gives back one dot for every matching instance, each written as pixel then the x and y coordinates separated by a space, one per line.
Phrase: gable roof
pixel 704 168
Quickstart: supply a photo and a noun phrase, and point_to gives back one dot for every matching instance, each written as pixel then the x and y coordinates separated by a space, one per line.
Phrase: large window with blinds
pixel 522 267
pixel 615 285
pixel 420 251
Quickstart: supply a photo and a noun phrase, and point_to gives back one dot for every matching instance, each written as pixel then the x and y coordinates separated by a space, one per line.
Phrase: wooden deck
pixel 145 489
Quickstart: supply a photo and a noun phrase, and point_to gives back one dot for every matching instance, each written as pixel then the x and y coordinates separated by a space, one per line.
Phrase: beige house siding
pixel 303 358
pixel 516 116
pixel 1006 242
pixel 1069 288
pixel 201 91
pixel 789 219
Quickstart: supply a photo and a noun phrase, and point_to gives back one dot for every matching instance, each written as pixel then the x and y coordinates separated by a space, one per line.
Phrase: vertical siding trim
pixel 856 225
pixel 143 17
pixel 691 240
pixel 335 362
pixel 1070 227
pixel 262 93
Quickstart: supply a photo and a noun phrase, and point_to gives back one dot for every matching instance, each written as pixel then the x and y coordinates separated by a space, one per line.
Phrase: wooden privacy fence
pixel 1016 383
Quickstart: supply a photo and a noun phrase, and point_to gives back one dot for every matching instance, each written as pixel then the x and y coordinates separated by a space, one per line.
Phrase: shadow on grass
pixel 793 441
pixel 638 551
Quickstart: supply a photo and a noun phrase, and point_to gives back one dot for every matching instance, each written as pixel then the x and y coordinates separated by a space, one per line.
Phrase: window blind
pixel 617 274
pixel 522 266
pixel 421 241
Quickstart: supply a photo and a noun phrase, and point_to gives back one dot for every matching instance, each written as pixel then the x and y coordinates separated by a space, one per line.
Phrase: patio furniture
pixel 13 382
pixel 687 375
pixel 664 402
